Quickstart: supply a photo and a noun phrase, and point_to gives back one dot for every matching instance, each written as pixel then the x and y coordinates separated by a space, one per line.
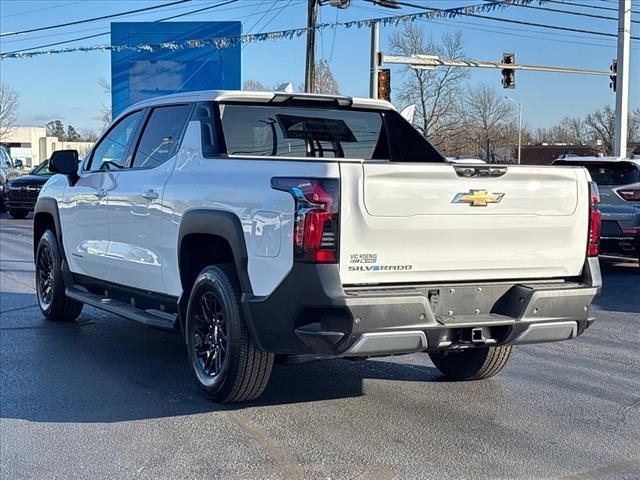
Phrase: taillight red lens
pixel 315 230
pixel 630 194
pixel 594 221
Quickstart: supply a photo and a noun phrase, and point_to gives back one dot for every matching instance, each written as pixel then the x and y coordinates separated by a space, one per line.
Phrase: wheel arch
pixel 222 232
pixel 46 216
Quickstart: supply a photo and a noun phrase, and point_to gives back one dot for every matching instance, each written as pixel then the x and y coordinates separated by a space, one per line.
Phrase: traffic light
pixel 614 74
pixel 384 84
pixel 508 74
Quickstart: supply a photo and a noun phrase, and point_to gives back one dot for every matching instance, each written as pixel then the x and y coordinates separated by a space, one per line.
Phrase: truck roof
pixel 266 97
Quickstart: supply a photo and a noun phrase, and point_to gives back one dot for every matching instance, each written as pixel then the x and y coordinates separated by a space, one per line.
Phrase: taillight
pixel 594 221
pixel 315 229
pixel 630 194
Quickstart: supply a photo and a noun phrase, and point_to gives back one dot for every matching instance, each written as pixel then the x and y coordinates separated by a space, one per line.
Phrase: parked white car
pixel 310 226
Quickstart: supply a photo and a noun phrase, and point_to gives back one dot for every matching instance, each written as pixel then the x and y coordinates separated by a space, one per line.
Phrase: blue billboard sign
pixel 141 74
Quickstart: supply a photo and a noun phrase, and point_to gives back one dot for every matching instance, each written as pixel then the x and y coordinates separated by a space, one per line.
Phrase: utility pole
pixel 622 78
pixel 375 42
pixel 309 74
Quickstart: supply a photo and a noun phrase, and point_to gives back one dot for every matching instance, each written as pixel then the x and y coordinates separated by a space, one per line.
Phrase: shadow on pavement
pixel 621 286
pixel 106 369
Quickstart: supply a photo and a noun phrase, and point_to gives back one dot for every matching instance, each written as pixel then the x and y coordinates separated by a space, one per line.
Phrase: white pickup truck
pixel 287 226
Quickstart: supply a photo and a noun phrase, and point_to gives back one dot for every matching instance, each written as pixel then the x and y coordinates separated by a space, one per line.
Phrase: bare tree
pixel 570 130
pixel 89 135
pixel 489 122
pixel 601 126
pixel 9 105
pixel 434 92
pixel 325 81
pixel 254 86
pixel 634 125
pixel 106 110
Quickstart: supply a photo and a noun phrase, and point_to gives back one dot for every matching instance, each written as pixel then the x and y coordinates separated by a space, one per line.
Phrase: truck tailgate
pixel 421 222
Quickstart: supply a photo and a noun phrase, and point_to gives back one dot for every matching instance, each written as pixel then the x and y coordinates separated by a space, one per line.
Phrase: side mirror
pixel 64 162
pixel 18 164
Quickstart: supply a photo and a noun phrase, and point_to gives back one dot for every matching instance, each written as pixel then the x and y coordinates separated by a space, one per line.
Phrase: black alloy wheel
pixel 50 288
pixel 227 365
pixel 45 277
pixel 210 335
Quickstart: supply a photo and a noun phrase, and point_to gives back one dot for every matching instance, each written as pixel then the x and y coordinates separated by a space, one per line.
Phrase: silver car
pixel 619 184
pixel 9 170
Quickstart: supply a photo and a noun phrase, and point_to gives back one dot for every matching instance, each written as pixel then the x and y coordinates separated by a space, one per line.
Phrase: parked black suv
pixel 22 192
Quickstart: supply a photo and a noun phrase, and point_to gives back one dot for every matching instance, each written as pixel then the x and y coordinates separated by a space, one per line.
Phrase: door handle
pixel 101 193
pixel 150 194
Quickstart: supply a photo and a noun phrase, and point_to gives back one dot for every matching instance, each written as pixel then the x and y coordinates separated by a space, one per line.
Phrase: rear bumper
pixel 311 313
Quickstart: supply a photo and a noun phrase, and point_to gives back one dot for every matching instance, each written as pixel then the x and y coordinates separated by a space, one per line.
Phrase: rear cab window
pixel 320 132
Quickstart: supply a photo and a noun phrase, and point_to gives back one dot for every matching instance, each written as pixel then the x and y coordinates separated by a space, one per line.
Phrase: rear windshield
pixel 302 132
pixel 292 131
pixel 620 173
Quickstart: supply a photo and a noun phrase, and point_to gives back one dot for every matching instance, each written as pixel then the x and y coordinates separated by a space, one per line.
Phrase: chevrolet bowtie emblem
pixel 478 198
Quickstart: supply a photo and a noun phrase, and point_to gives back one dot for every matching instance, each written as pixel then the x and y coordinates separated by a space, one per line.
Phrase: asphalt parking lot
pixel 105 398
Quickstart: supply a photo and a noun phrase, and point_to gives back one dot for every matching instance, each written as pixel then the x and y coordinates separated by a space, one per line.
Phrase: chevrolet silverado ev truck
pixel 292 226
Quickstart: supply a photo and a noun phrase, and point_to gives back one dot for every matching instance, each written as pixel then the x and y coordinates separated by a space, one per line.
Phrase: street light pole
pixel 622 79
pixel 519 127
pixel 375 46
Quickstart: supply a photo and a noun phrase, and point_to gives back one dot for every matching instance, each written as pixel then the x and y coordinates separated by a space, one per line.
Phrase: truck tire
pixel 18 214
pixel 227 365
pixel 473 363
pixel 53 302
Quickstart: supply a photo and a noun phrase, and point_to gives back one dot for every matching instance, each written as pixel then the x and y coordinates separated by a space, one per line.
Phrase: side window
pixel 409 144
pixel 161 136
pixel 111 152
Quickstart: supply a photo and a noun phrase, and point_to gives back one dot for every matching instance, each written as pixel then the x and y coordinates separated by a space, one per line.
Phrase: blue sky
pixel 66 86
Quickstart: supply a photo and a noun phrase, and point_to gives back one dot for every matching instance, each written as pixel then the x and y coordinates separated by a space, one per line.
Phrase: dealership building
pixel 32 145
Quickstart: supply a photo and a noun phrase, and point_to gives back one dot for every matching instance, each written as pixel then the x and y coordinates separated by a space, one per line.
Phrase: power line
pixel 281 9
pixel 223 42
pixel 57 43
pixel 42 9
pixel 335 32
pixel 67 33
pixel 197 11
pixel 569 12
pixel 107 33
pixel 87 20
pixel 585 5
pixel 264 15
pixel 507 20
pixel 517 33
pixel 482 28
pixel 49 35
